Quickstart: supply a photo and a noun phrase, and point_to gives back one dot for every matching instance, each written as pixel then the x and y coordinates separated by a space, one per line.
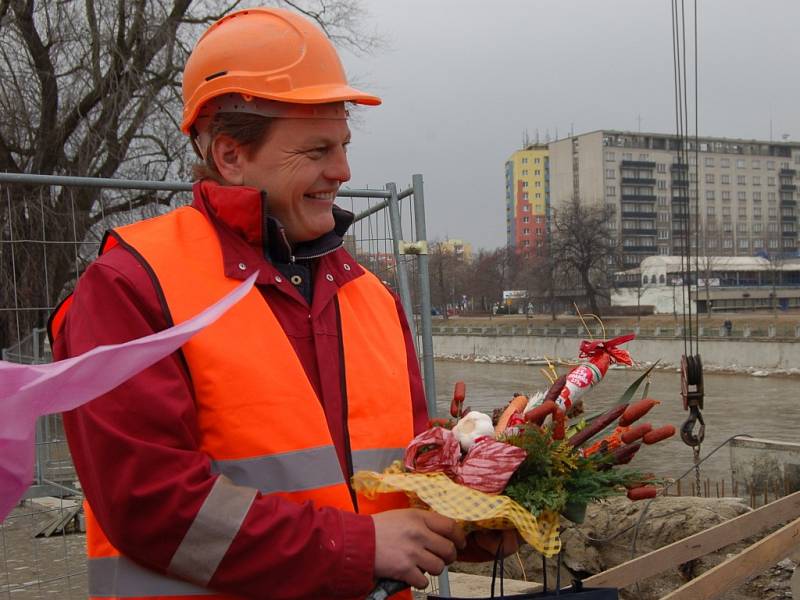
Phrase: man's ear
pixel 228 156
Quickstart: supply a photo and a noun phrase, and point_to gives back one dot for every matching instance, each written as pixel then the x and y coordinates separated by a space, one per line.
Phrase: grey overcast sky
pixel 463 79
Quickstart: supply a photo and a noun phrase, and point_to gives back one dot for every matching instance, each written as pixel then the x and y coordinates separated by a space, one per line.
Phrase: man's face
pixel 301 166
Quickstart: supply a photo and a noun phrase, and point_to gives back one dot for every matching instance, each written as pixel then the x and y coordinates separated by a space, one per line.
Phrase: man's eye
pixel 318 152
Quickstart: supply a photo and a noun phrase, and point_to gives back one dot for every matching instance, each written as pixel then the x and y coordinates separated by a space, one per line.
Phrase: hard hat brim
pixel 321 94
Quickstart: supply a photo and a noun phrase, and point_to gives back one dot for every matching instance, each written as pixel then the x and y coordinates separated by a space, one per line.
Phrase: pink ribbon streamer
pixel 30 391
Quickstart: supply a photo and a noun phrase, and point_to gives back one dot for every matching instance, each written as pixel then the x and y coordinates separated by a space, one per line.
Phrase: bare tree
pixel 584 249
pixel 91 88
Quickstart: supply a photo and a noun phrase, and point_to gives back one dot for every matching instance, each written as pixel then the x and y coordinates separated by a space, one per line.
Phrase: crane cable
pixel 691 364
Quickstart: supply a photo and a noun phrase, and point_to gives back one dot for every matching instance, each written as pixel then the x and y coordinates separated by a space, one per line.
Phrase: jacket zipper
pixel 348 453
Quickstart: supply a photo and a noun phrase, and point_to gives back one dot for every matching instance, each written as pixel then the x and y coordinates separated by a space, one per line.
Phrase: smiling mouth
pixel 325 196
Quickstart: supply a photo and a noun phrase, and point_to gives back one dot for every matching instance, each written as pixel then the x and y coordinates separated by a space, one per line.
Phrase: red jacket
pixel 136 448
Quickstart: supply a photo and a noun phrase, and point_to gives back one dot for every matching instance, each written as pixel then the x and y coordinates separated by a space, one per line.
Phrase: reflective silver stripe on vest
pixel 120 577
pixel 376 459
pixel 288 472
pixel 212 531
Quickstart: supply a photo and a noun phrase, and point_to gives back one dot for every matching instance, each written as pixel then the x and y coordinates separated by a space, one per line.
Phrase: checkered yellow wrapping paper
pixel 468 506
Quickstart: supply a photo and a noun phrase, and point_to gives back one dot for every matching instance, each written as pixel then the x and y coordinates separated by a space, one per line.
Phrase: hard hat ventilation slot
pixel 215 75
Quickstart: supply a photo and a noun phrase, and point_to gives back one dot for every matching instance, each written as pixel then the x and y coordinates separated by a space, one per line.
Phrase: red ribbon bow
pixel 591 349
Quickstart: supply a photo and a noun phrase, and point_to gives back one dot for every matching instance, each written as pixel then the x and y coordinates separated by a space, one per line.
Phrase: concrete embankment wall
pixel 720 353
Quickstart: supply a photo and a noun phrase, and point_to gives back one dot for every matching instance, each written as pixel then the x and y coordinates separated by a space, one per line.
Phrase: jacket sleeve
pixel 136 451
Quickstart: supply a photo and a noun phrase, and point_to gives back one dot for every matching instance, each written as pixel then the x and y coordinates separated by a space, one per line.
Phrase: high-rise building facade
pixel 743 192
pixel 528 200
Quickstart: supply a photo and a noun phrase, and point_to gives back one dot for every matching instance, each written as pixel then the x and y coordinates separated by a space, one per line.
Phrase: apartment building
pixel 743 192
pixel 528 200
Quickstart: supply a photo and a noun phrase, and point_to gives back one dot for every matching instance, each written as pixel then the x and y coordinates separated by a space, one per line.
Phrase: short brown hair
pixel 249 130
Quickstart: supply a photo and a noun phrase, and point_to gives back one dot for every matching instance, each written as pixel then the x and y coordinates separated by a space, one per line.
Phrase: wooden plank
pixel 699 544
pixel 753 560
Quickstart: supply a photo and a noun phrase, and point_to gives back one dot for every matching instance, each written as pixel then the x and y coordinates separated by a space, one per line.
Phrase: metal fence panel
pixel 50 229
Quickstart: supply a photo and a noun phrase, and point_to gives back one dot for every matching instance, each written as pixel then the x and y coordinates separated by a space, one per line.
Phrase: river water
pixel 762 407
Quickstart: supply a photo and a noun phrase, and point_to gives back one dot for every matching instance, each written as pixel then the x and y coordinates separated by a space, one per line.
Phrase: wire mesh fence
pixel 50 229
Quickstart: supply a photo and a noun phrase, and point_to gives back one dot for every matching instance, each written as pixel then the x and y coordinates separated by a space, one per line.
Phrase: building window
pixel 772 212
pixel 661 167
pixel 536 161
pixel 644 157
pixel 727 243
pixel 770 165
pixel 757 243
pixel 726 211
pixel 611 190
pixel 709 177
pixel 538 195
pixel 627 156
pixel 788 243
pixel 772 228
pixel 741 179
pixel 710 211
pixel 663 234
pixel 757 227
pixel 724 163
pixel 537 184
pixel 740 163
pixel 662 184
pixel 526 208
pixel 661 200
pixel 756 180
pixel 757 197
pixel 770 181
pixel 526 219
pixel 727 227
pixel 524 172
pixel 711 243
pixel 539 220
pixel 526 231
pixel 524 184
pixel 611 174
pixel 526 242
pixel 741 227
pixel 771 197
pixel 726 196
pixel 743 212
pixel 725 178
pixel 524 195
pixel 744 244
pixel 773 243
pixel 756 164
pixel 756 212
pixel 525 160
pixel 610 157
pixel 741 196
pixel 709 194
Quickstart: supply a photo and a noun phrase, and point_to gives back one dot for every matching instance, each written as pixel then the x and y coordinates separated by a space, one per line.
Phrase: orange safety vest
pixel 237 392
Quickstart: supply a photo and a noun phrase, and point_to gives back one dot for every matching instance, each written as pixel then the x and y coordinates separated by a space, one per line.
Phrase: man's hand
pixel 411 542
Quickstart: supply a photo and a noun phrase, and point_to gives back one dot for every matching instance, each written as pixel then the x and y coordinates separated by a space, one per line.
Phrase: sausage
pixel 556 388
pixel 459 393
pixel 637 410
pixel 559 425
pixel 518 403
pixel 662 433
pixel 642 493
pixel 597 425
pixel 635 433
pixel 624 454
pixel 538 414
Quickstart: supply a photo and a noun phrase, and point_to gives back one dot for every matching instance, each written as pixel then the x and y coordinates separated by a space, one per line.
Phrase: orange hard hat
pixel 268 53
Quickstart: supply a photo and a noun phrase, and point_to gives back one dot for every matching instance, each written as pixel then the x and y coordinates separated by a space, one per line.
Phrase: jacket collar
pixel 242 212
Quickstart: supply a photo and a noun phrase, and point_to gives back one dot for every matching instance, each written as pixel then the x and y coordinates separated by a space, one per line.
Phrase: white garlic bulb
pixel 472 426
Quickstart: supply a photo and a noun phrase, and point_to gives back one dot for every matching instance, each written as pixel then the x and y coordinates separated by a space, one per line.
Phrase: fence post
pixel 402 274
pixel 425 295
pixel 425 292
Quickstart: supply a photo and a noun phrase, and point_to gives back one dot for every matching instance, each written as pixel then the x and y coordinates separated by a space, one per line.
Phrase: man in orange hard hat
pixel 224 470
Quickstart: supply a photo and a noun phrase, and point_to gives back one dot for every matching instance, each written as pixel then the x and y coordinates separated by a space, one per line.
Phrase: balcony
pixel 788 187
pixel 679 167
pixel 788 202
pixel 651 232
pixel 789 219
pixel 631 214
pixel 638 198
pixel 789 233
pixel 788 172
pixel 640 249
pixel 680 183
pixel 639 181
pixel 638 164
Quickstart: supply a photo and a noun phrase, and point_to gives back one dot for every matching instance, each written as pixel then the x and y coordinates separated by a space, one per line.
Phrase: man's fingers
pixel 447 528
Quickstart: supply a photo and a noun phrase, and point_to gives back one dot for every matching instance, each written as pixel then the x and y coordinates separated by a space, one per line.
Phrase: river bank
pixel 755 357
